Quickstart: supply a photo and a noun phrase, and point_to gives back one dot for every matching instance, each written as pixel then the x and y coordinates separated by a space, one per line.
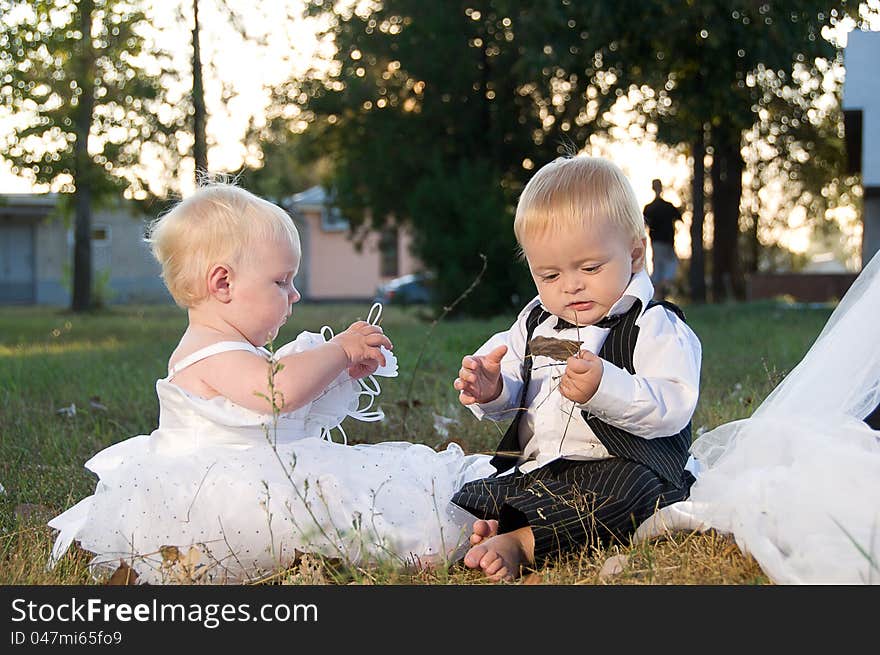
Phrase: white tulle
pixel 218 493
pixel 798 483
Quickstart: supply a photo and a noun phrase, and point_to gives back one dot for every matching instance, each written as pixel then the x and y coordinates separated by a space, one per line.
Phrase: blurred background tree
pixel 424 96
pixel 708 74
pixel 92 105
pixel 434 116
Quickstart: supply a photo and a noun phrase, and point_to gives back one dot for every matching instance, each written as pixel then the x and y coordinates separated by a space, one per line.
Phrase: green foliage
pixel 758 75
pixel 288 163
pixel 47 69
pixel 427 95
pixel 461 214
pixel 419 88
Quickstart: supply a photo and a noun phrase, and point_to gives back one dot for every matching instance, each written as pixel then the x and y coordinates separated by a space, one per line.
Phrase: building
pixel 334 267
pixel 36 253
pixel 861 106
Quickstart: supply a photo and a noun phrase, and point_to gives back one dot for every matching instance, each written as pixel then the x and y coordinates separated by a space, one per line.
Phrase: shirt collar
pixel 639 288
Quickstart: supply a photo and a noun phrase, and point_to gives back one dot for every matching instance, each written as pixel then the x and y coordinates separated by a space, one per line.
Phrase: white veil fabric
pixel 798 483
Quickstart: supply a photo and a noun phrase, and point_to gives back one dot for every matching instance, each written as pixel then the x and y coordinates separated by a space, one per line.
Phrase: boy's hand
pixel 582 376
pixel 479 378
pixel 361 343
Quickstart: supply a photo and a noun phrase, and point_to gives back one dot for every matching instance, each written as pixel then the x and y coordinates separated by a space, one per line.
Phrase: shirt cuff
pixel 494 409
pixel 615 394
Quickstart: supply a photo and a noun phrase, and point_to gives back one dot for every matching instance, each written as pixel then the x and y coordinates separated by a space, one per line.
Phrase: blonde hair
pixel 217 224
pixel 572 192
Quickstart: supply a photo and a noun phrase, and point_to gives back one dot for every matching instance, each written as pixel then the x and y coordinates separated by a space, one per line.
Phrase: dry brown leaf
pixel 558 349
pixel 123 575
pixel 532 578
pixel 192 558
pixel 169 553
pixel 309 571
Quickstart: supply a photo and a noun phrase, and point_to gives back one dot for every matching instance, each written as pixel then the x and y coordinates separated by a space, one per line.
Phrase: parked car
pixel 412 289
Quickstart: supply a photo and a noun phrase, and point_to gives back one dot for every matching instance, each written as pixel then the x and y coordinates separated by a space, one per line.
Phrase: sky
pixel 247 68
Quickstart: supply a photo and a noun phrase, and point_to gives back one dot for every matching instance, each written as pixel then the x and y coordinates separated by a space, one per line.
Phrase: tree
pixel 197 95
pixel 795 157
pixel 712 69
pixel 436 115
pixel 289 162
pixel 76 67
pixel 200 138
pixel 419 90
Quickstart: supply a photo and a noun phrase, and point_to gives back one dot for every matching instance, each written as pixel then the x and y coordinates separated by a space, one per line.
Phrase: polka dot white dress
pixel 219 493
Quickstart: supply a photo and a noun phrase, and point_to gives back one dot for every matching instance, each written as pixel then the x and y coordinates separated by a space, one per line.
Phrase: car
pixel 412 289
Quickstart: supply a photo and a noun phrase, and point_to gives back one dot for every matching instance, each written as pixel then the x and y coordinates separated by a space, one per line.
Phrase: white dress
pixel 798 483
pixel 218 494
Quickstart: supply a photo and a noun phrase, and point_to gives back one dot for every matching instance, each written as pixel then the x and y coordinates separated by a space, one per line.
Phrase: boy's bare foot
pixel 483 530
pixel 502 556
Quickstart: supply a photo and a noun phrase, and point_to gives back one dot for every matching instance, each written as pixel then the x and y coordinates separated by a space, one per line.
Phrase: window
pixel 389 265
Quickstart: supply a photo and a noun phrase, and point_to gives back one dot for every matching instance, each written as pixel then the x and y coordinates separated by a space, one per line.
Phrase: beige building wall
pixel 337 270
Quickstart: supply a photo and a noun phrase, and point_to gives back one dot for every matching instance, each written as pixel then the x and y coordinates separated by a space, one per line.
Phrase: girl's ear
pixel 220 282
pixel 638 254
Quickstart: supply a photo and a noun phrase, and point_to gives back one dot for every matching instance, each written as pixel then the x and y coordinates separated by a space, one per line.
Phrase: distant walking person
pixel 660 217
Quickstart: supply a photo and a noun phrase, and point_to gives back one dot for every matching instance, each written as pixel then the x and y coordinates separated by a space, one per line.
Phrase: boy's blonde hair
pixel 572 192
pixel 218 224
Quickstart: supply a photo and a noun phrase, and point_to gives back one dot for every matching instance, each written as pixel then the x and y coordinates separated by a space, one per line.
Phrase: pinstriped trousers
pixel 570 504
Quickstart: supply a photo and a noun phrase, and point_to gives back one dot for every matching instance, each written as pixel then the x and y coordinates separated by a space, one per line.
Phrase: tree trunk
pixel 697 271
pixel 82 234
pixel 200 145
pixel 754 244
pixel 754 241
pixel 727 169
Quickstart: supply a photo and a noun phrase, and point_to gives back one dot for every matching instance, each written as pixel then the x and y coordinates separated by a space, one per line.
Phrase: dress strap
pixel 214 349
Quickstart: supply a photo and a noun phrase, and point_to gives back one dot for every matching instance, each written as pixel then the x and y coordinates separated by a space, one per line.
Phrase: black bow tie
pixel 607 322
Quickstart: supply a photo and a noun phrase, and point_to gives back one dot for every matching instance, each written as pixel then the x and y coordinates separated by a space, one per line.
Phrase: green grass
pixel 50 359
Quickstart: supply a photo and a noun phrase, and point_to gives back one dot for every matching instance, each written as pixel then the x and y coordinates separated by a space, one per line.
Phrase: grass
pixel 106 364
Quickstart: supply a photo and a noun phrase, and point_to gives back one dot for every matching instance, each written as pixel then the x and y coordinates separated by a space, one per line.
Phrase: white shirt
pixel 658 401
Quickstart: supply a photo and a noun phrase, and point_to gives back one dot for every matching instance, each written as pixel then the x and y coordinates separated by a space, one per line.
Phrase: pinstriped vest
pixel 666 456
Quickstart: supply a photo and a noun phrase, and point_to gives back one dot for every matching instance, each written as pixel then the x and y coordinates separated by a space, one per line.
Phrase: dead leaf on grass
pixel 169 554
pixel 123 575
pixel 532 578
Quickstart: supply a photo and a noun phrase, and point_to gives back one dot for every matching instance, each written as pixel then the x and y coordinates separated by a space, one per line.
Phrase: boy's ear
pixel 638 254
pixel 220 283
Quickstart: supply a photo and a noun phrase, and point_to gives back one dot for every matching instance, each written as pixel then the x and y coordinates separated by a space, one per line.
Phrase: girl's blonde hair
pixel 218 224
pixel 572 192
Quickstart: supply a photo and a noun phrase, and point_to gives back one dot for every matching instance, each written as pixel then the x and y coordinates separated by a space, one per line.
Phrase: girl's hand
pixel 582 376
pixel 479 378
pixel 363 369
pixel 361 342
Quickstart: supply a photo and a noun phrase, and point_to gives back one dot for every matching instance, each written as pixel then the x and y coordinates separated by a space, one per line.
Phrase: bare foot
pixel 502 556
pixel 483 530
